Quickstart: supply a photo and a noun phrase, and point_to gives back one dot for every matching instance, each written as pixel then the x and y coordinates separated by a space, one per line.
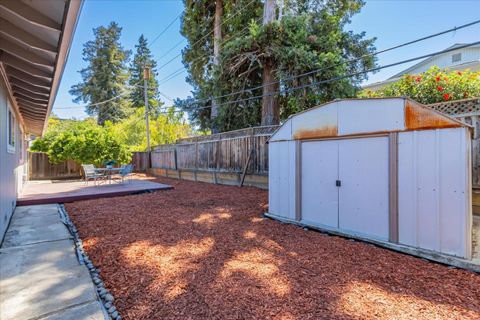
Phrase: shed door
pixel 360 203
pixel 319 201
pixel 363 195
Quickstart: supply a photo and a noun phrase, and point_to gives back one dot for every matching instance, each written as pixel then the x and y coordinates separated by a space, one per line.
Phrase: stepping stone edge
pixel 104 296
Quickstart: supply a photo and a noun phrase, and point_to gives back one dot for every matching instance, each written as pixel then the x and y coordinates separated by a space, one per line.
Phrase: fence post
pixel 175 157
pixel 475 150
pixel 218 144
pixel 196 159
pixel 252 144
pixel 149 160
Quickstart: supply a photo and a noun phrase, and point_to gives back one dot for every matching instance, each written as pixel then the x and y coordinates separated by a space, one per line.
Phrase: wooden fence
pixel 40 168
pixel 140 161
pixel 227 158
pixel 232 151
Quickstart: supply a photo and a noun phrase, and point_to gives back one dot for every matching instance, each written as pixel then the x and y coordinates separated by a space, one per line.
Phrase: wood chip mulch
pixel 203 251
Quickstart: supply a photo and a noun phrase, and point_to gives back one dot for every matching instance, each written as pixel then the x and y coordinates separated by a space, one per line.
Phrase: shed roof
pixel 363 116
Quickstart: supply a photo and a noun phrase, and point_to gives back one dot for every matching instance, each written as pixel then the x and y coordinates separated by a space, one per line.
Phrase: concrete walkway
pixel 40 276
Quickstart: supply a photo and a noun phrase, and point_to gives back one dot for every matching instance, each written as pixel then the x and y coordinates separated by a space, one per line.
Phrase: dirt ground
pixel 203 251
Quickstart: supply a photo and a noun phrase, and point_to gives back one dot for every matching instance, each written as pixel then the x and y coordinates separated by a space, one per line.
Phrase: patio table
pixel 108 172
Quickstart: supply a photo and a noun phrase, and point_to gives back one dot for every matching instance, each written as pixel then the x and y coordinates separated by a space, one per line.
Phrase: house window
pixel 10 131
pixel 457 57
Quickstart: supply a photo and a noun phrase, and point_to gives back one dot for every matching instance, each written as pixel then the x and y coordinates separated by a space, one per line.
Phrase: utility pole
pixel 146 77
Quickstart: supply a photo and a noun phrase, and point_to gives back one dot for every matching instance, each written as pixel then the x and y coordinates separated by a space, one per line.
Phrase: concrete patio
pixel 41 277
pixel 48 191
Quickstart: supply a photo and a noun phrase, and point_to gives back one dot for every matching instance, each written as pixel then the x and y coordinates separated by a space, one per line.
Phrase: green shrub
pixel 434 85
pixel 81 141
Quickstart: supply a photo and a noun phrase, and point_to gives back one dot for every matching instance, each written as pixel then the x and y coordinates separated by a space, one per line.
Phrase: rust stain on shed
pixel 323 132
pixel 418 117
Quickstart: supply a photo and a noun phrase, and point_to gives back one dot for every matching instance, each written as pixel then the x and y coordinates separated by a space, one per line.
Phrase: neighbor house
pixel 35 38
pixel 457 60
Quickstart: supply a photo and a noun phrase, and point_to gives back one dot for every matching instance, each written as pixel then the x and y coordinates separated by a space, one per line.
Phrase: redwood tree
pixel 106 75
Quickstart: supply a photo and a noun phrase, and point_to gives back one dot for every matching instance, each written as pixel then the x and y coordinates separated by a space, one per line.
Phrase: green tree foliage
pixel 197 22
pixel 82 141
pixel 311 35
pixel 106 75
pixel 434 85
pixel 87 142
pixel 143 57
pixel 165 128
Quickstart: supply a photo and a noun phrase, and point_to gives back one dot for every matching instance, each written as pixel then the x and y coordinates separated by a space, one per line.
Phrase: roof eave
pixel 72 13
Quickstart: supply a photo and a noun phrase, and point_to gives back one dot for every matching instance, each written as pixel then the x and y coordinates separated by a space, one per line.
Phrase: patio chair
pixel 109 163
pixel 91 174
pixel 125 172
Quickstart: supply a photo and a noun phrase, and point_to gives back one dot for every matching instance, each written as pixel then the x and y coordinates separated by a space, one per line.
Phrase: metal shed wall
pixel 281 177
pixel 434 190
pixel 428 165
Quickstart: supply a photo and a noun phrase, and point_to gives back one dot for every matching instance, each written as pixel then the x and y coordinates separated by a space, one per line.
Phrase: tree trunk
pixel 280 9
pixel 217 31
pixel 217 40
pixel 270 105
pixel 269 11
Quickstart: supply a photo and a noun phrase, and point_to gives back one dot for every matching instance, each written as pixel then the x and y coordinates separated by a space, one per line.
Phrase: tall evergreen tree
pixel 143 57
pixel 308 35
pixel 201 58
pixel 106 75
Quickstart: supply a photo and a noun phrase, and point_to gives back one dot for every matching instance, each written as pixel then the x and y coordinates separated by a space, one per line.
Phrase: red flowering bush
pixel 434 85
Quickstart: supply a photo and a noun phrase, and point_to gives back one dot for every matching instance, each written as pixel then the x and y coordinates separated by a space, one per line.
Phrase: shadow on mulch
pixel 202 251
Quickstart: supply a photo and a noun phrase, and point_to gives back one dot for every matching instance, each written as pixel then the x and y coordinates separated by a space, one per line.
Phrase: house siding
pixel 470 60
pixel 12 164
pixel 469 56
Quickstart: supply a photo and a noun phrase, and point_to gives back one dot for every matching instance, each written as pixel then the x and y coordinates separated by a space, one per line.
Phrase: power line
pixel 339 77
pixel 183 69
pixel 310 72
pixel 165 29
pixel 322 81
pixel 208 33
pixel 98 103
pixel 172 75
pixel 128 92
pixel 171 49
pixel 164 95
pixel 348 61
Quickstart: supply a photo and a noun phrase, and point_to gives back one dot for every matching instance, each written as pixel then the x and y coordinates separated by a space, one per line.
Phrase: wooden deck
pixel 47 191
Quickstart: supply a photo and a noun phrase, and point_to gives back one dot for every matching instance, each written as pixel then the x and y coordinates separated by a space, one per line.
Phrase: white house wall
pixel 281 175
pixel 434 190
pixel 445 60
pixel 10 165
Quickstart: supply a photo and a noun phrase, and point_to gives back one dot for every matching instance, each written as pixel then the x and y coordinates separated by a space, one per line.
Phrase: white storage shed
pixel 390 170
